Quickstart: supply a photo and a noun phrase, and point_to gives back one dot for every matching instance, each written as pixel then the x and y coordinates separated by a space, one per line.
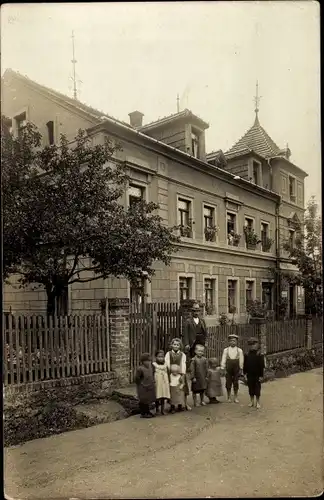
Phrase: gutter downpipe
pixel 277 242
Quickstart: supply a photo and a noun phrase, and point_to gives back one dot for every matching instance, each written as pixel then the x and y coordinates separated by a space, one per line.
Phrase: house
pixel 219 199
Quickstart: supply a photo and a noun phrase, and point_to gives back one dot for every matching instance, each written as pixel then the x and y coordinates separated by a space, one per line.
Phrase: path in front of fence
pixel 276 451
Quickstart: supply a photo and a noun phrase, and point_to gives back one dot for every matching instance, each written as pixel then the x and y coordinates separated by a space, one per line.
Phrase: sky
pixel 139 56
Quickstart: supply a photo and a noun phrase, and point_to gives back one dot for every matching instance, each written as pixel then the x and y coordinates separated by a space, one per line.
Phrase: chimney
pixel 136 118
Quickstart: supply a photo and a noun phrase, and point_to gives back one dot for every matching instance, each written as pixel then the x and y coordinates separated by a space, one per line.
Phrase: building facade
pixel 234 209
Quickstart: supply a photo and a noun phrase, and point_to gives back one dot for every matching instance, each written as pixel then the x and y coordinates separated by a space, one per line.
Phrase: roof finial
pixel 178 103
pixel 257 102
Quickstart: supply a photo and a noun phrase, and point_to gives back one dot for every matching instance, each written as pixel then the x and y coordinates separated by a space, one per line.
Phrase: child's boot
pixel 251 403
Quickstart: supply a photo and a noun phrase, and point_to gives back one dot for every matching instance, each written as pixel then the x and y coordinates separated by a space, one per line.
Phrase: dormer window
pixel 195 145
pixel 256 173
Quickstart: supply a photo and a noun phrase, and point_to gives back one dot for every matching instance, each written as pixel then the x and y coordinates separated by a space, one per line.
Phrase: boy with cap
pixel 232 365
pixel 253 369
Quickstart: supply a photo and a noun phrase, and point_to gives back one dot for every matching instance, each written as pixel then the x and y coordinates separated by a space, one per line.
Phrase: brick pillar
pixel 119 339
pixel 309 332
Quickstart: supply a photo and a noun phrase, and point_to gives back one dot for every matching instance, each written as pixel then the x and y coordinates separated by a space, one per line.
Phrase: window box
pixel 186 231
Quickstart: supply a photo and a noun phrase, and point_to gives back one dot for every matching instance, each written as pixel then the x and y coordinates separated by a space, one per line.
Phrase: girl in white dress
pixel 162 385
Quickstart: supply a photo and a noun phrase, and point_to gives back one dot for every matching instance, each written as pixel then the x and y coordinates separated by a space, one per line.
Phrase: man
pixel 194 331
pixel 232 365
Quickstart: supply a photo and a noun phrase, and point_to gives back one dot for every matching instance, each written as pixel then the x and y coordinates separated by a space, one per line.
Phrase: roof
pixel 94 113
pixel 258 140
pixel 216 157
pixel 186 113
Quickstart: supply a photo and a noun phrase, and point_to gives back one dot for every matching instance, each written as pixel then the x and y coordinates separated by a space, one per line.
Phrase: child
pixel 214 382
pixel 232 365
pixel 144 380
pixel 253 369
pixel 176 389
pixel 198 370
pixel 161 378
pixel 175 356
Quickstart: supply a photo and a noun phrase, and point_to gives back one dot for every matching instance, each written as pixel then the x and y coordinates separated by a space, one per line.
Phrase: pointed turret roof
pixel 258 140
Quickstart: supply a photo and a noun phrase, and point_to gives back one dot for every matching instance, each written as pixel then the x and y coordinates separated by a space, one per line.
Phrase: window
pixel 292 189
pixel 210 292
pixel 184 208
pixel 248 223
pixel 135 194
pixel 185 288
pixel 291 238
pixel 137 292
pixel 249 292
pixel 21 123
pixel 195 145
pixel 267 298
pixel 256 173
pixel 50 132
pixel 231 295
pixel 231 227
pixel 265 237
pixel 209 223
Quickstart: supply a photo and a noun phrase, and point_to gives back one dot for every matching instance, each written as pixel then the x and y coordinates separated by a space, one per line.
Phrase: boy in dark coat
pixel 145 385
pixel 253 369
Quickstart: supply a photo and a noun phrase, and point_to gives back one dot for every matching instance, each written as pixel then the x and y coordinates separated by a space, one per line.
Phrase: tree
pixel 306 254
pixel 63 218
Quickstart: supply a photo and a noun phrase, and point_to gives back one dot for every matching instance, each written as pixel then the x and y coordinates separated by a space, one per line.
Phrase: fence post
pixel 119 339
pixel 263 338
pixel 309 332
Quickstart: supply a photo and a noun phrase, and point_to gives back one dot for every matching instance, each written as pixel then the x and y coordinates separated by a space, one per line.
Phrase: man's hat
pixel 196 307
pixel 233 336
pixel 253 340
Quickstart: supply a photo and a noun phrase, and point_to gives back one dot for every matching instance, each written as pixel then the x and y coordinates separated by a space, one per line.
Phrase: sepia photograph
pixel 161 223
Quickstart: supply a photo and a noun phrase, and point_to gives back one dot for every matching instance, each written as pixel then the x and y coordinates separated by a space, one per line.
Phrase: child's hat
pixel 233 336
pixel 253 340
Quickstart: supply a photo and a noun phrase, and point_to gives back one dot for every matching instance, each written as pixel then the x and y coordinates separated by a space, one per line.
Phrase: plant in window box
pixel 267 244
pixel 257 311
pixel 210 233
pixel 251 238
pixel 209 309
pixel 223 319
pixel 232 310
pixel 234 239
pixel 186 230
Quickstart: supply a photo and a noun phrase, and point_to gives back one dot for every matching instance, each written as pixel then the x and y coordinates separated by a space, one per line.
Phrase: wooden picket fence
pixel 317 330
pixel 37 348
pixel 285 335
pixel 152 327
pixel 217 338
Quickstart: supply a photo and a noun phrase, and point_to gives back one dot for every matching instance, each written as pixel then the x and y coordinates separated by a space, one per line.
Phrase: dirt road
pixel 225 450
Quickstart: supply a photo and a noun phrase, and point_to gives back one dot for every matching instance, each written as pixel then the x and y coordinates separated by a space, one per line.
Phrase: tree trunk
pixel 57 300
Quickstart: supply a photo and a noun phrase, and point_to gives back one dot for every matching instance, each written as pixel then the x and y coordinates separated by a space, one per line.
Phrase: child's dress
pixel 161 377
pixel 198 370
pixel 145 385
pixel 214 383
pixel 176 393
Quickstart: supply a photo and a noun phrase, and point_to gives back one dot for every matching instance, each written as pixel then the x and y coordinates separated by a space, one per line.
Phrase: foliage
pixel 306 254
pixel 223 319
pixel 256 309
pixel 267 244
pixel 210 233
pixel 234 239
pixel 63 217
pixel 251 237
